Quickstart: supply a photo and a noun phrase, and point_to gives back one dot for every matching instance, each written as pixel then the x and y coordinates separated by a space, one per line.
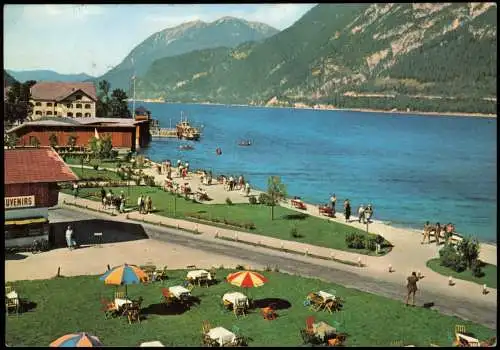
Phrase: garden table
pixel 13 296
pixel 233 297
pixel 222 336
pixel 195 274
pixel 323 330
pixel 179 291
pixel 119 302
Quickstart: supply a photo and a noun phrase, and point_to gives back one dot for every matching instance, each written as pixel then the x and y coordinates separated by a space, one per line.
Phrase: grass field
pixel 102 164
pixel 85 173
pixel 489 278
pixel 72 304
pixel 312 229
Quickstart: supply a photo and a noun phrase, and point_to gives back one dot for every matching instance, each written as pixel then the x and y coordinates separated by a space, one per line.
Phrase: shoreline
pixel 387 223
pixel 363 110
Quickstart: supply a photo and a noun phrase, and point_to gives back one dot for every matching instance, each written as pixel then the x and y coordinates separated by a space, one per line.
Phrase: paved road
pixel 476 312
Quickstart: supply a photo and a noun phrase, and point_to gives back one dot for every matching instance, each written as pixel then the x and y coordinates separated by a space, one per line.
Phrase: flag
pixel 96 134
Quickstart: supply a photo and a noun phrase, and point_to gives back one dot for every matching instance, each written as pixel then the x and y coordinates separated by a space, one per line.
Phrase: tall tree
pixel 276 190
pixel 18 106
pixel 118 105
pixel 102 105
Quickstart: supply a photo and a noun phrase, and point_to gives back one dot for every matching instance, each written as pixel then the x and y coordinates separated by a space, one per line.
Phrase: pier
pixel 164 132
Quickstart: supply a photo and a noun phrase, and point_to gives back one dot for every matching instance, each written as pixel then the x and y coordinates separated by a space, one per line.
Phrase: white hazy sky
pixel 94 38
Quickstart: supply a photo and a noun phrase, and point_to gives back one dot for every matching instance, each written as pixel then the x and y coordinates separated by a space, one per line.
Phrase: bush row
pixel 246 225
pixel 362 241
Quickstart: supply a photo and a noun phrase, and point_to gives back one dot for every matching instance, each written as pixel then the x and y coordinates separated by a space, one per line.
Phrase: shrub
pixel 468 249
pixel 294 232
pixel 379 239
pixel 249 225
pixel 371 243
pixel 268 268
pixel 252 199
pixel 450 258
pixel 355 240
pixel 229 201
pixel 276 268
pixel 476 269
pixel 239 267
pixel 264 198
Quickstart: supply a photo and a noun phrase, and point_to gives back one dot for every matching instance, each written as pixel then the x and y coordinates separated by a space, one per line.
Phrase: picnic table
pixel 323 330
pixel 222 336
pixel 13 296
pixel 322 301
pixel 231 298
pixel 120 302
pixel 179 291
pixel 297 203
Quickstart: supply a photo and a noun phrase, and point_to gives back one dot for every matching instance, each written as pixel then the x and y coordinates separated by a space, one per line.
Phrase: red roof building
pixel 30 188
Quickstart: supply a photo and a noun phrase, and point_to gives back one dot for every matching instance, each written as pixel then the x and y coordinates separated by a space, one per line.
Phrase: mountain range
pixel 392 55
pixel 46 75
pixel 187 37
pixel 8 80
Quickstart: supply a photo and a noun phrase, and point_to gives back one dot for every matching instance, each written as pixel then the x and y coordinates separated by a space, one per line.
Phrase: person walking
pixel 333 202
pixel 122 205
pixel 139 203
pixel 69 237
pixel 347 210
pixel 75 189
pixel 411 287
pixel 247 188
pixel 427 233
pixel 149 203
pixel 361 213
pixel 103 194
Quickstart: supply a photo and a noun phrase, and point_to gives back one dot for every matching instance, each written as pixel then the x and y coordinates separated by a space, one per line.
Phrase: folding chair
pixel 12 304
pixel 108 307
pixel 459 328
pixel 120 295
pixel 205 327
pixel 203 279
pixel 239 307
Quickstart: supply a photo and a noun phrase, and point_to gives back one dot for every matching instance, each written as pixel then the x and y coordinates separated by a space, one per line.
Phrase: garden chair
pixel 205 327
pixel 162 274
pixel 239 307
pixel 309 324
pixel 397 343
pixel 11 304
pixel 459 328
pixel 108 307
pixel 213 274
pixel 120 295
pixel 133 315
pixel 203 279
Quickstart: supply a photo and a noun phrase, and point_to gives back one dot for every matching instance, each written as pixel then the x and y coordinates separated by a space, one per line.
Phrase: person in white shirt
pixel 361 213
pixel 69 237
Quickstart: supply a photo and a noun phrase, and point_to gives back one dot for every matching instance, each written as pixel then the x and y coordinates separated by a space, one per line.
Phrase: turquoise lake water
pixel 411 168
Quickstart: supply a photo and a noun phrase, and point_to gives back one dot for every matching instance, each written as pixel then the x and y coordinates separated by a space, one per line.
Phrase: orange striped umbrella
pixel 77 340
pixel 246 279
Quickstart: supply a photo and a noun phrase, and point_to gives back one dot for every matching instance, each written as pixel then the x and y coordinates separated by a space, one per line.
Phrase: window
pixel 78 97
pixel 38 112
pixel 78 105
pixel 55 112
pixel 38 104
pixel 55 104
pixel 69 105
pixel 70 114
pixel 78 115
pixel 87 106
pixel 87 115
pixel 49 113
pixel 49 104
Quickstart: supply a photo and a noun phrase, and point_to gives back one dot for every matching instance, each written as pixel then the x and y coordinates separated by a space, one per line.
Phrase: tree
pixel 102 105
pixel 18 106
pixel 118 105
pixel 101 147
pixel 469 250
pixel 53 140
pixel 10 140
pixel 276 191
pixel 34 141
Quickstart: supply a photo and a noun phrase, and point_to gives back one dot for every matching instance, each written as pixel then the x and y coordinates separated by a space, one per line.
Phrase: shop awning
pixel 26 221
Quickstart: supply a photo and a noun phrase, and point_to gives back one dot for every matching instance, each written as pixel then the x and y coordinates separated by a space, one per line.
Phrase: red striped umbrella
pixel 246 279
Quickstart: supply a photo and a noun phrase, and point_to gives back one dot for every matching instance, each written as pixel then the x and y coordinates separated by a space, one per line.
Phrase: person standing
pixel 149 203
pixel 411 287
pixel 69 237
pixel 361 213
pixel 347 210
pixel 122 205
pixel 247 188
pixel 75 189
pixel 437 232
pixel 103 194
pixel 333 202
pixel 368 213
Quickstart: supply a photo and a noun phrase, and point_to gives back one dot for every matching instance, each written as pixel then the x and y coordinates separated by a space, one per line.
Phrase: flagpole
pixel 133 98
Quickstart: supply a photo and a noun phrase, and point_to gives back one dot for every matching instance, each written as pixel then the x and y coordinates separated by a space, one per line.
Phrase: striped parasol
pixel 124 275
pixel 76 340
pixel 246 279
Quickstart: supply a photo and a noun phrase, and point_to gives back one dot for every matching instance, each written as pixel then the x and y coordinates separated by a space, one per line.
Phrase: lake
pixel 410 168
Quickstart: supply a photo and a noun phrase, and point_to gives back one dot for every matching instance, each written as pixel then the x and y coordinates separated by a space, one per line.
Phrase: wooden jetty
pixel 164 132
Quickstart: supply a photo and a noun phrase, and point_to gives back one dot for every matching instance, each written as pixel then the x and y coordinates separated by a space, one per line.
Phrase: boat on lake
pixel 245 143
pixel 186 147
pixel 186 131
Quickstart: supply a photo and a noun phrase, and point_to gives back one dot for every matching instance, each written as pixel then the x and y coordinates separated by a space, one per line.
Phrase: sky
pixel 92 39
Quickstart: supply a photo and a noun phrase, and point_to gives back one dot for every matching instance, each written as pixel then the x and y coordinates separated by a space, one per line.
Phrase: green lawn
pixel 489 278
pixel 72 304
pixel 103 164
pixel 313 230
pixel 86 173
